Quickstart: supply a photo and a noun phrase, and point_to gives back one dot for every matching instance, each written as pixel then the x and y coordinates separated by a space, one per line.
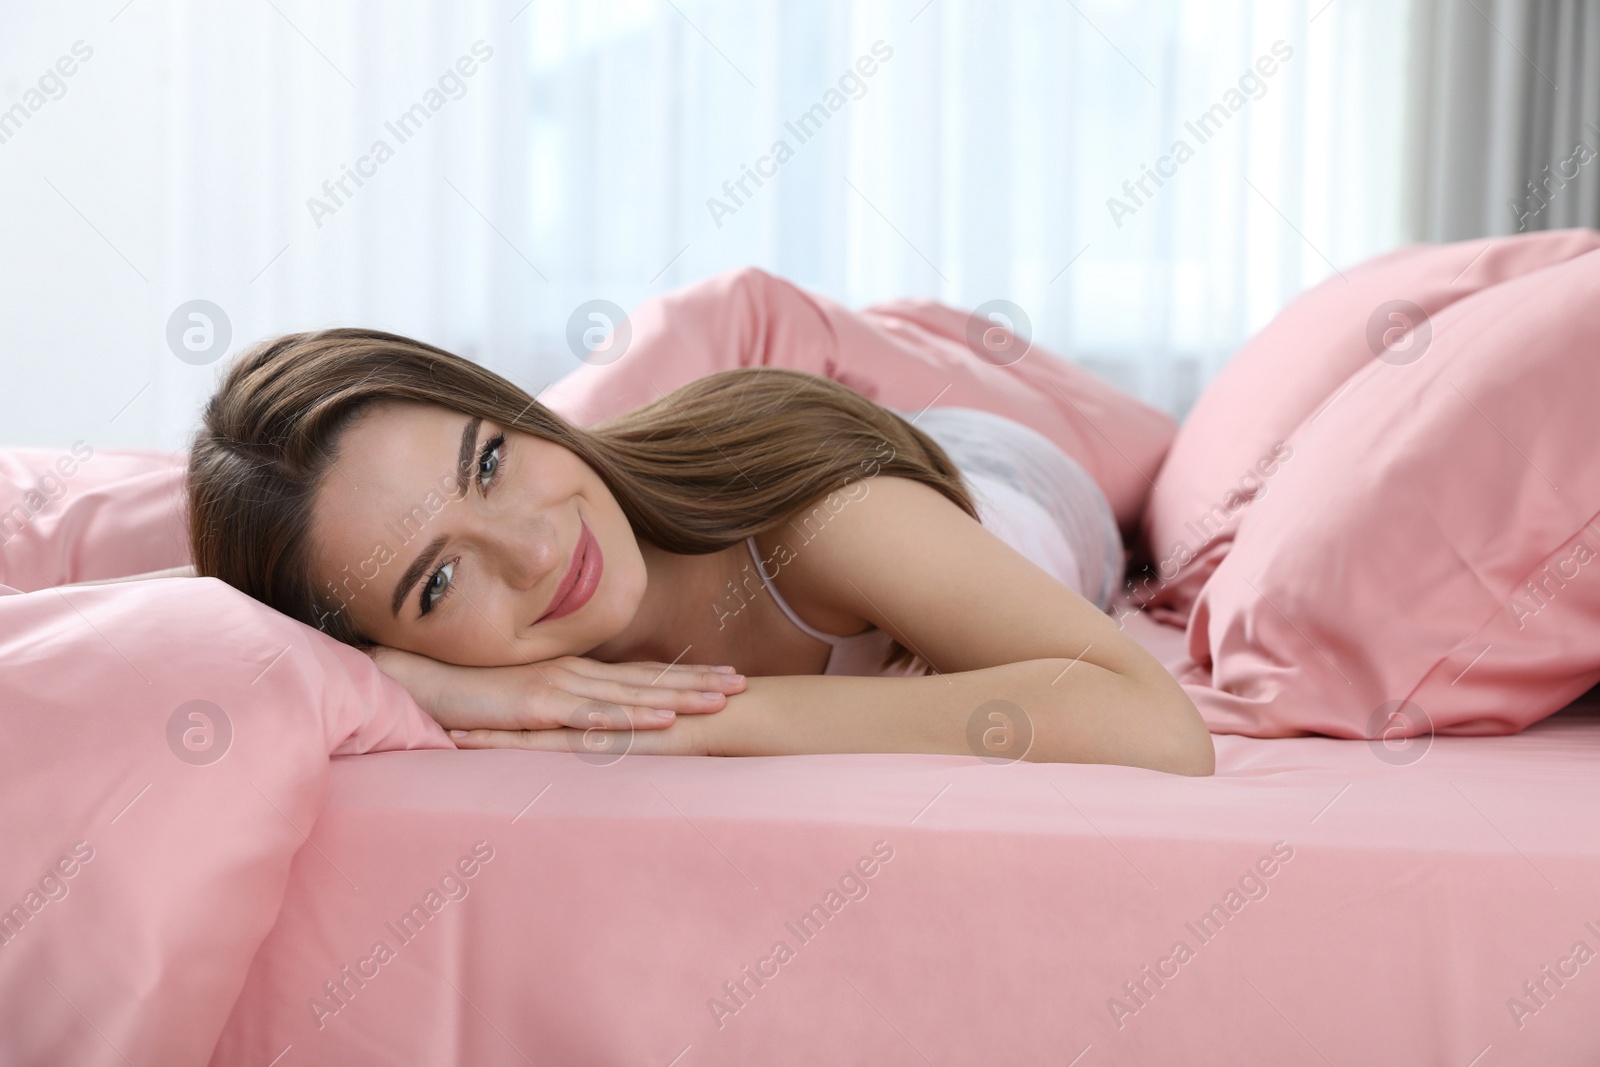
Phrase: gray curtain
pixel 1503 118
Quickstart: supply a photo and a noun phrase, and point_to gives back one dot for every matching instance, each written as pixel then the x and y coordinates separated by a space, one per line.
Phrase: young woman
pixel 540 585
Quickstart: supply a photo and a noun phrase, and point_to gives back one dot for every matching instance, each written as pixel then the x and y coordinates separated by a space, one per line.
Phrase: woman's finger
pixel 501 699
pixel 665 676
pixel 681 701
pixel 604 715
pixel 582 743
pixel 552 740
pixel 687 676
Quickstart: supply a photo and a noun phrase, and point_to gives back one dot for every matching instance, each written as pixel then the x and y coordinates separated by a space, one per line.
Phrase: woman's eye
pixel 437 585
pixel 489 459
pixel 439 582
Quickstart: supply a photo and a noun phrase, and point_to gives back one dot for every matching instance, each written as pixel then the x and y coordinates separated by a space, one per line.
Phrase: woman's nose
pixel 528 556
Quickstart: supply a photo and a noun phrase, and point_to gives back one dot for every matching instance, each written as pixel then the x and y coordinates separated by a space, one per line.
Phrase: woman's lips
pixel 581 579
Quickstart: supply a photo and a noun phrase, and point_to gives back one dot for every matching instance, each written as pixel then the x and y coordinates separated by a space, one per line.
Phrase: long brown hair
pixel 701 468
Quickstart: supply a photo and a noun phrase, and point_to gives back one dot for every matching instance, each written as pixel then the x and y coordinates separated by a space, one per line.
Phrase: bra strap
pixel 755 554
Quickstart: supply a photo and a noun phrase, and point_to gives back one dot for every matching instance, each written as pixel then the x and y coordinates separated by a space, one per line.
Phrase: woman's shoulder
pixel 821 558
pixel 793 572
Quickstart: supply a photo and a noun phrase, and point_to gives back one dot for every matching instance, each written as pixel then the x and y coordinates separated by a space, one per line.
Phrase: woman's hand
pixel 569 691
pixel 606 740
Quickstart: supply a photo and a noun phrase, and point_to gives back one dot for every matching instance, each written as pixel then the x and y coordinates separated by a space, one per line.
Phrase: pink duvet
pixel 908 354
pixel 78 513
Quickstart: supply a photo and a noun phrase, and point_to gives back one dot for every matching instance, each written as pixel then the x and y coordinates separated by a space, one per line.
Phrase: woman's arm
pixel 1046 710
pixel 1028 667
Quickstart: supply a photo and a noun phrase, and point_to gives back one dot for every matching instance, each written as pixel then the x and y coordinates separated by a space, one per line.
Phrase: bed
pixel 230 839
pixel 1388 908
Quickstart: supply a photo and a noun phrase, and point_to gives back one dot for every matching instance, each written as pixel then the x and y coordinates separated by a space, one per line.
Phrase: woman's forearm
pixel 1044 710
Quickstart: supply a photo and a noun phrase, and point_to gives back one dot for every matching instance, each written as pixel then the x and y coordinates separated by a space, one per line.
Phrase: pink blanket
pixel 79 513
pixel 908 354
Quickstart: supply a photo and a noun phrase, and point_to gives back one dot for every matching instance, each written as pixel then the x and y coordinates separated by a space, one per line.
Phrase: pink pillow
pixel 1234 443
pixel 164 747
pixel 906 354
pixel 79 512
pixel 1433 540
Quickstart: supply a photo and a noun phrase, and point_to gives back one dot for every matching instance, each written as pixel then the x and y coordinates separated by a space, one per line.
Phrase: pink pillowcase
pixel 164 746
pixel 77 513
pixel 907 354
pixel 1233 443
pixel 1433 540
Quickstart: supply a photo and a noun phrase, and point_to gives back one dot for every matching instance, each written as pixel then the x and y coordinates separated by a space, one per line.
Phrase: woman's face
pixel 452 537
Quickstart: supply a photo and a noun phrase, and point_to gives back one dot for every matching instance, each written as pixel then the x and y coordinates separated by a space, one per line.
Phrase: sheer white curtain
pixel 948 149
pixel 975 161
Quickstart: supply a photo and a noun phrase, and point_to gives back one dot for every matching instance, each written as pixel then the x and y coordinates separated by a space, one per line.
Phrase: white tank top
pixel 1029 493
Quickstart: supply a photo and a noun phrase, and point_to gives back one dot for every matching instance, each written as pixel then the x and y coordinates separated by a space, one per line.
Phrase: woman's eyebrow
pixel 413 573
pixel 469 443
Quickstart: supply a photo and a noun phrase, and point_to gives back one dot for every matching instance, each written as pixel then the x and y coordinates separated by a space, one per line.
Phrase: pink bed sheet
pixel 1336 902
